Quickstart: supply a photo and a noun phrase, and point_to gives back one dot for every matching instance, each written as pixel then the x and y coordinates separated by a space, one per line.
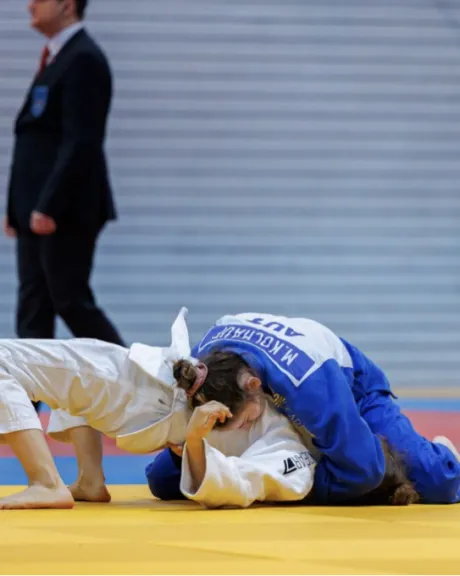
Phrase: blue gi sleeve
pixel 353 461
pixel 163 476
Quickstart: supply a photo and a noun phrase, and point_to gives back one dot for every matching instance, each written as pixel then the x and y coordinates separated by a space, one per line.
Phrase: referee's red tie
pixel 44 59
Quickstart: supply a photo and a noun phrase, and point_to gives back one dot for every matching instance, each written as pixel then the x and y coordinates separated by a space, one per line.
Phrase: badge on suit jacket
pixel 39 100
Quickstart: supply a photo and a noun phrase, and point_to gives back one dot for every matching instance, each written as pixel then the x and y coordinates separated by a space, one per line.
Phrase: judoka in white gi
pixel 127 394
pixel 132 396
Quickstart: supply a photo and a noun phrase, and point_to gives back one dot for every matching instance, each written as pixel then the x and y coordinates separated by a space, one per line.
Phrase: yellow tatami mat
pixel 136 535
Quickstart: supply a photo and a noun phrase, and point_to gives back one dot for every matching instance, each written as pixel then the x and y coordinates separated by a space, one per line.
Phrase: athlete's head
pixel 224 377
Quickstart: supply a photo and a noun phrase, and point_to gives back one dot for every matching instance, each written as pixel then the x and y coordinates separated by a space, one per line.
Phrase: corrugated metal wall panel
pixel 284 156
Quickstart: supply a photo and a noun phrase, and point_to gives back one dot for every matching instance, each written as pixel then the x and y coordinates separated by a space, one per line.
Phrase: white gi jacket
pixel 268 462
pixel 128 394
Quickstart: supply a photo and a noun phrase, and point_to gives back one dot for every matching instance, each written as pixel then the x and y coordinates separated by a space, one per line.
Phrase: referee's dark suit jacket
pixel 59 168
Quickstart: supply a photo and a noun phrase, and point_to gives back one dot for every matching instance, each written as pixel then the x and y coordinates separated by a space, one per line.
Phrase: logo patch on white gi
pixel 301 460
pixel 39 100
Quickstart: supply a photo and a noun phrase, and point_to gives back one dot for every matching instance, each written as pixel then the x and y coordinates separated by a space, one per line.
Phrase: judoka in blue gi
pixel 339 401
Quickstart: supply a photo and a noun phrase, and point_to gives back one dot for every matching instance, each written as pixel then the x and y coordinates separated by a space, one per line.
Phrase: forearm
pixel 197 461
pixel 258 475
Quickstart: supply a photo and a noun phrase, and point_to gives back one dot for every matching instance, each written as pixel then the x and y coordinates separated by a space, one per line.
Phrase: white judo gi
pixel 128 394
pixel 267 463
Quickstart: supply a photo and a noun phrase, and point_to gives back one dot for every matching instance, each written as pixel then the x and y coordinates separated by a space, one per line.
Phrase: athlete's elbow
pixel 371 477
pixel 370 471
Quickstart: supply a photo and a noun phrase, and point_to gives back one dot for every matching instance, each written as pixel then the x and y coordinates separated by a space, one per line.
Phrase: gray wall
pixel 287 156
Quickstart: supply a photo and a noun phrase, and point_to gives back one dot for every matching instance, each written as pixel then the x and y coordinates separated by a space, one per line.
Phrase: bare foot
pixel 89 492
pixel 38 496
